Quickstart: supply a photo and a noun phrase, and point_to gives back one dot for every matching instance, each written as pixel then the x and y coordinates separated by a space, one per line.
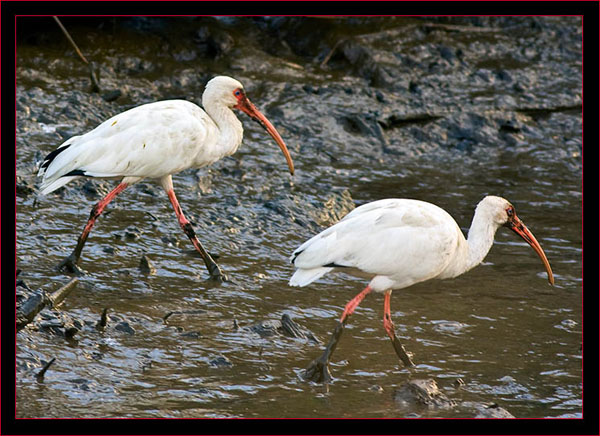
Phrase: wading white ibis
pixel 397 243
pixel 154 141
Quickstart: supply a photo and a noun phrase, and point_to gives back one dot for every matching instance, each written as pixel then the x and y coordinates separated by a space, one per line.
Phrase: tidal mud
pixel 445 110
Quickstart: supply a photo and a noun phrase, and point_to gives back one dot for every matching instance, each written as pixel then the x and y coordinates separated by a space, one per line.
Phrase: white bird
pixel 154 141
pixel 397 243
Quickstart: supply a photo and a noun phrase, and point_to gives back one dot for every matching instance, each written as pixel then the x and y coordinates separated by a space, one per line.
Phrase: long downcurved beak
pixel 517 226
pixel 246 106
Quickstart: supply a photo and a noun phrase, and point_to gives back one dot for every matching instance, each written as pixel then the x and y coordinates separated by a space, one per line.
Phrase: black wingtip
pixel 75 173
pixel 52 155
pixel 296 254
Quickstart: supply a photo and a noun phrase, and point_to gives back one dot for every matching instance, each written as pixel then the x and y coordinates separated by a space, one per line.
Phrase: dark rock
pixel 221 362
pixel 146 266
pixel 285 327
pixel 132 233
pixel 504 76
pixel 109 250
pixel 124 327
pixel 193 335
pixel 447 53
pixel 112 95
pixel 489 410
pixel 59 323
pixel 422 392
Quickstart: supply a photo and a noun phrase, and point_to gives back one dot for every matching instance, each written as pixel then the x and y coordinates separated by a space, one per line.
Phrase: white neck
pixel 480 238
pixel 471 251
pixel 230 128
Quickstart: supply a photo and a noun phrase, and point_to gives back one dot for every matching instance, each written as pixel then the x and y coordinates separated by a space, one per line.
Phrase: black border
pixel 588 425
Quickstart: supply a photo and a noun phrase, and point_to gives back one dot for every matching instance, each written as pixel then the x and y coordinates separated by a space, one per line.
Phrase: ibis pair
pixel 396 242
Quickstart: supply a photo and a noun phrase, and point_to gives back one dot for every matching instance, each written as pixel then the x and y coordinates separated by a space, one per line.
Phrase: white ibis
pixel 154 141
pixel 397 243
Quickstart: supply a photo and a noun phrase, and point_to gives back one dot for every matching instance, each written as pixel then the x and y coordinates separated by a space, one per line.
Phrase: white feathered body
pixel 148 141
pixel 396 242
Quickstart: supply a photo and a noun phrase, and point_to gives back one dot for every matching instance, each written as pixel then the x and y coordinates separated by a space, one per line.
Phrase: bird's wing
pixel 151 140
pixel 389 237
pixel 386 203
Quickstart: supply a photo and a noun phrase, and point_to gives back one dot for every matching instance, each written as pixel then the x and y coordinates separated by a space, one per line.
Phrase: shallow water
pixel 511 337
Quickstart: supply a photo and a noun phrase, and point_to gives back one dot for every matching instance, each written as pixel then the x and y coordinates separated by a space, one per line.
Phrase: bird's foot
pixel 318 370
pixel 69 264
pixel 216 274
pixel 405 356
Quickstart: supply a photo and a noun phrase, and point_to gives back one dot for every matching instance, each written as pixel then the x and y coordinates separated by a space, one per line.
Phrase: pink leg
pixel 353 304
pixel 70 263
pixel 388 325
pixel 211 265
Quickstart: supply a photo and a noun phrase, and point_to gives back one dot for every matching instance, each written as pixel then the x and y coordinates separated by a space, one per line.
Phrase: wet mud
pixel 445 110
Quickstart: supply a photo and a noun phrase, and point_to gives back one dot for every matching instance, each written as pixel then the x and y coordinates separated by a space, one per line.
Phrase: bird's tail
pixel 48 186
pixel 303 277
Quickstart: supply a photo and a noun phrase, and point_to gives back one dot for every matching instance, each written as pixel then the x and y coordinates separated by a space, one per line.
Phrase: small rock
pixel 146 266
pixel 285 327
pixel 109 250
pixel 221 362
pixel 132 233
pixel 490 410
pixel 192 335
pixel 124 327
pixel 112 95
pixel 424 393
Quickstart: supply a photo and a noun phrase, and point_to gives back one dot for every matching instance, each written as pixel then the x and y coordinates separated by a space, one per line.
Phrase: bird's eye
pixel 237 93
pixel 510 211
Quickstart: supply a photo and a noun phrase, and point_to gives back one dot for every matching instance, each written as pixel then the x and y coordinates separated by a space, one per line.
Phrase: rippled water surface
pixel 500 114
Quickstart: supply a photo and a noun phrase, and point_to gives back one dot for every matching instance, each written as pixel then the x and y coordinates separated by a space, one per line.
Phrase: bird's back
pixel 405 240
pixel 152 140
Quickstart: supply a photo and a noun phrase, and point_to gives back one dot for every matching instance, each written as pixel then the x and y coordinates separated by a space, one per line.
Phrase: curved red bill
pixel 517 226
pixel 247 107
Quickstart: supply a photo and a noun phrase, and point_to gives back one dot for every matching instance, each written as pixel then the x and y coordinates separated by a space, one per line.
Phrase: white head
pixel 226 92
pixel 221 90
pixel 495 209
pixel 499 211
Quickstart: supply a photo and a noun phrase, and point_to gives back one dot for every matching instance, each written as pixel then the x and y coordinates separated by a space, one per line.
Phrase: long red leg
pixel 211 265
pixel 318 370
pixel 388 325
pixel 353 304
pixel 70 263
